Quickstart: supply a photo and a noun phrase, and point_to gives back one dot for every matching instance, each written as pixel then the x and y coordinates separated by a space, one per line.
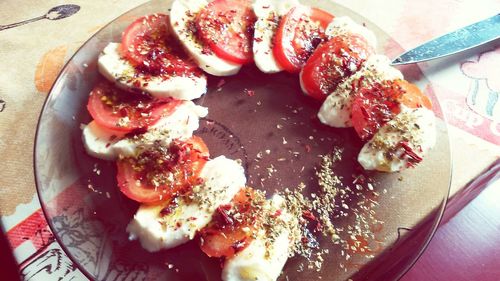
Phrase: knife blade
pixel 451 43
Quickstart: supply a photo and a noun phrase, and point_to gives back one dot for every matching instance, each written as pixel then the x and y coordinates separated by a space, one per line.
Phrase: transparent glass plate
pixel 275 130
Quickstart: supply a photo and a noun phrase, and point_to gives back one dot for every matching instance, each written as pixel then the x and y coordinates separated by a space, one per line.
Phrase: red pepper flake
pixel 410 165
pixel 169 208
pixel 353 84
pixel 307 148
pixel 409 151
pixel 364 112
pixel 276 214
pixel 221 83
pixel 249 93
pixel 166 211
pixel 124 112
pixel 304 240
pixel 360 81
pixel 308 215
pixel 257 39
pixel 200 180
pixel 136 84
pixel 192 219
pixel 319 227
pixel 222 211
pixel 359 179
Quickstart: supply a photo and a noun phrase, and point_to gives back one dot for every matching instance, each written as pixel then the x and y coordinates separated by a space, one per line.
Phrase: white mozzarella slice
pixel 384 152
pixel 182 14
pixel 264 258
pixel 222 177
pixel 119 71
pixel 99 142
pixel 336 109
pixel 345 25
pixel 268 13
pixel 179 125
pixel 108 145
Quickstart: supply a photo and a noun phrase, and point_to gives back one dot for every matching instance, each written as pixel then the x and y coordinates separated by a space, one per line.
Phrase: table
pixel 34 53
pixel 465 246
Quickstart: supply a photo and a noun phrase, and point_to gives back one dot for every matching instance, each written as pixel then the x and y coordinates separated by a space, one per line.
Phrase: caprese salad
pixel 144 119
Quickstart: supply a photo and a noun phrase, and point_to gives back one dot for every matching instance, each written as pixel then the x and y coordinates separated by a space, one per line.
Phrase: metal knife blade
pixel 459 40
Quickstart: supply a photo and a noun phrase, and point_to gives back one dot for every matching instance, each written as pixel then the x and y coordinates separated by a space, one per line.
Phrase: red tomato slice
pixel 149 45
pixel 227 235
pixel 331 63
pixel 300 31
pixel 226 26
pixel 413 97
pixel 377 104
pixel 216 243
pixel 125 112
pixel 162 174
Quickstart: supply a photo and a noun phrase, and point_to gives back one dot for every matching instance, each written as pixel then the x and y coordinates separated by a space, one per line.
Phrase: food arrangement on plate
pixel 144 119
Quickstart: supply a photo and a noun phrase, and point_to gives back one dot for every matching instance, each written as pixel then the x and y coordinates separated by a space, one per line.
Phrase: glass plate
pixel 265 121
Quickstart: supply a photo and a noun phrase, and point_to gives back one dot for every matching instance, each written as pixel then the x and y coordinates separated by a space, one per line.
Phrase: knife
pixel 459 40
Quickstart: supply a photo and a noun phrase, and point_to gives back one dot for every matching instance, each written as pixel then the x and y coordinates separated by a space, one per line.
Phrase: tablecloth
pixel 32 54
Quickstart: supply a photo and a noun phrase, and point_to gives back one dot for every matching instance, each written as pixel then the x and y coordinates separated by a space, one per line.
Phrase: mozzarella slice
pixel 105 144
pixel 179 125
pixel 119 71
pixel 268 13
pixel 264 258
pixel 345 25
pixel 222 177
pixel 384 152
pixel 336 109
pixel 99 142
pixel 182 15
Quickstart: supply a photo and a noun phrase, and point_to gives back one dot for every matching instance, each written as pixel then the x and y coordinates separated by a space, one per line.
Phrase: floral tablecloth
pixel 32 54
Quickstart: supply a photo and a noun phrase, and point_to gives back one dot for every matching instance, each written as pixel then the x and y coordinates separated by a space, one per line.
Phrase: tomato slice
pixel 125 112
pixel 224 243
pixel 375 105
pixel 162 174
pixel 331 63
pixel 226 26
pixel 413 97
pixel 149 46
pixel 300 31
pixel 233 225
